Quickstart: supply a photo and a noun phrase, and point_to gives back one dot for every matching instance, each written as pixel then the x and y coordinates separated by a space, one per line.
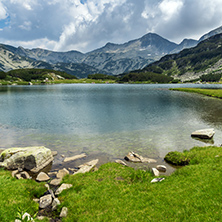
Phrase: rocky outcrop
pixel 204 133
pixel 32 159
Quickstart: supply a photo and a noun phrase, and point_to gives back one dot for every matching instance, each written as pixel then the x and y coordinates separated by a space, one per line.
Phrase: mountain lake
pixel 107 120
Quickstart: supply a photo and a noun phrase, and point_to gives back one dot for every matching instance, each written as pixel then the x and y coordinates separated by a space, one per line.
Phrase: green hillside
pixel 204 59
pixel 22 76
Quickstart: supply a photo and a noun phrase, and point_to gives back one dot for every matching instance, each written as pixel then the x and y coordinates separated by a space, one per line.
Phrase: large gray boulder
pixel 32 159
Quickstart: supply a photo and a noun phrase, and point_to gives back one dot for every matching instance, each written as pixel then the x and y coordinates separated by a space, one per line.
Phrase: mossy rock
pixel 177 158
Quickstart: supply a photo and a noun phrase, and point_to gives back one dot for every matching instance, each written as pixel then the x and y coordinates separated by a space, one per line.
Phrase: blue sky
pixel 85 25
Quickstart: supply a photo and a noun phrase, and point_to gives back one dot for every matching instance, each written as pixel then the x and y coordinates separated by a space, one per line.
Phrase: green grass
pixel 217 93
pixel 118 193
pixel 16 194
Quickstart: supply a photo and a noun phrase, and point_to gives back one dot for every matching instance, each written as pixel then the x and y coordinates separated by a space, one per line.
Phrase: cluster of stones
pixel 136 158
pixel 33 160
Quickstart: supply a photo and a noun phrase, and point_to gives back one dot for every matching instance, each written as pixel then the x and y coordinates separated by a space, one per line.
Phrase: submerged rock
pixel 29 158
pixel 161 168
pixel 68 159
pixel 87 166
pixel 121 162
pixel 204 133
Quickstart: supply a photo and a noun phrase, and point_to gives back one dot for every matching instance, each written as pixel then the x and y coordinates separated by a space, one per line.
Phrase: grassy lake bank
pixel 217 93
pixel 118 193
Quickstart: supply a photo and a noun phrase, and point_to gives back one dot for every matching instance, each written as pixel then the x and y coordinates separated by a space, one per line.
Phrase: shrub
pixel 177 158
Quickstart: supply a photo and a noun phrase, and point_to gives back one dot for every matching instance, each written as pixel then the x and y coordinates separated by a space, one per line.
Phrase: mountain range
pixel 110 59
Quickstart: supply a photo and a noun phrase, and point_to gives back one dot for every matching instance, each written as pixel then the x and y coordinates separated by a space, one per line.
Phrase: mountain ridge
pixel 110 59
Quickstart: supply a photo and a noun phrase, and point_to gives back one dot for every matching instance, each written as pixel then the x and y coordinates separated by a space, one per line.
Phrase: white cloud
pixel 44 43
pixel 3 11
pixel 170 7
pixel 26 26
pixel 88 24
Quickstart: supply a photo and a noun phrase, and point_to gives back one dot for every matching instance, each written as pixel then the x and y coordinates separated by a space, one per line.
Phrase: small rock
pixel 47 186
pixel 45 201
pixel 62 173
pixel 133 157
pixel 155 172
pixel 52 193
pixel 64 212
pixel 24 216
pixel 54 153
pixel 64 186
pixel 67 159
pixel 42 218
pixel 25 175
pixel 87 166
pixel 42 177
pixel 148 160
pixel 161 168
pixel 36 200
pixel 52 173
pixel 55 203
pixel 136 158
pixel 55 182
pixel 121 162
pixel 63 156
pixel 14 172
pixel 157 180
pixel 18 176
pixel 72 169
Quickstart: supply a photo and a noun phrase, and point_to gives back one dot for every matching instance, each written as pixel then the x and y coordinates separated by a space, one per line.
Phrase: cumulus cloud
pixel 3 11
pixel 85 25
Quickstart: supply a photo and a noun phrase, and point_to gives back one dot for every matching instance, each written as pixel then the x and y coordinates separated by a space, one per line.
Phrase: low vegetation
pixel 147 77
pixel 102 77
pixel 119 193
pixel 217 93
pixel 17 194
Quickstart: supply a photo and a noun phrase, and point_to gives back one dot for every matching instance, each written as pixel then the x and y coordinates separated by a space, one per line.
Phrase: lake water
pixel 109 120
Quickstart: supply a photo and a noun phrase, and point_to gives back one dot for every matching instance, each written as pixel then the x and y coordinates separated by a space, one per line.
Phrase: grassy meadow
pixel 118 193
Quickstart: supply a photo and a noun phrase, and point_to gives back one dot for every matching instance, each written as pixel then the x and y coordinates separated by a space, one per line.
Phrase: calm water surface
pixel 108 119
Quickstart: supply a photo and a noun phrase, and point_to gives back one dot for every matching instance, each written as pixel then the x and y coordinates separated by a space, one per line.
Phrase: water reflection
pixel 111 119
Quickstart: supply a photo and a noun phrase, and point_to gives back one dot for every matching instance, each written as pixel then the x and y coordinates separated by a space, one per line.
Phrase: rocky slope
pixel 191 63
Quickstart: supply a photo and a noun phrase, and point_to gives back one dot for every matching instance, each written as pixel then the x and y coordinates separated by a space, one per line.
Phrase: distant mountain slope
pixel 15 58
pixel 211 33
pixel 191 63
pixel 110 59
